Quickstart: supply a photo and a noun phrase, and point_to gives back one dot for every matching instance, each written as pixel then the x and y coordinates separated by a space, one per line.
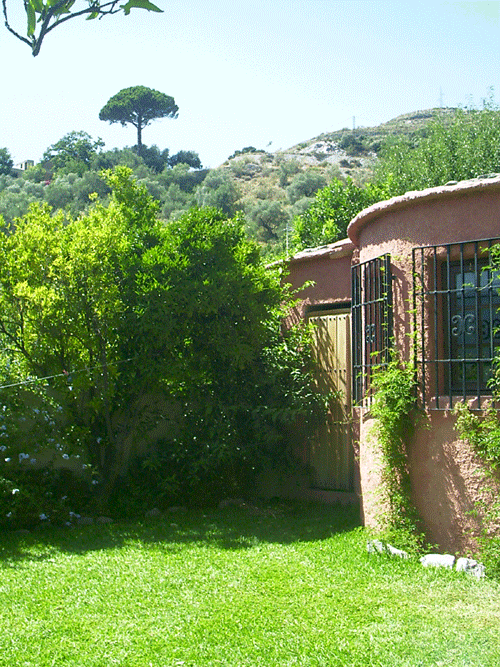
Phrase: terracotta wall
pixel 447 479
pixel 329 268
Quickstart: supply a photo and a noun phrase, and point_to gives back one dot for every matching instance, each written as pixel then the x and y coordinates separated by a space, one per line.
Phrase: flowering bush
pixel 30 497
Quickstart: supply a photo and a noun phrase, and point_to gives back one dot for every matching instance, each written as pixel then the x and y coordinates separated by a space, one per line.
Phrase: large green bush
pixel 133 323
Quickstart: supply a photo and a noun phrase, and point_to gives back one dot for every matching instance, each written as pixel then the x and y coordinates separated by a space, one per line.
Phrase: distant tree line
pixel 307 206
pixel 69 173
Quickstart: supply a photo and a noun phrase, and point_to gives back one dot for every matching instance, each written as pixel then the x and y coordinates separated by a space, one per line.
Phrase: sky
pixel 263 73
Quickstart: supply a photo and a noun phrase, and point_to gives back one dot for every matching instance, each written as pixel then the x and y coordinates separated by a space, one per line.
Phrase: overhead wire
pixel 66 374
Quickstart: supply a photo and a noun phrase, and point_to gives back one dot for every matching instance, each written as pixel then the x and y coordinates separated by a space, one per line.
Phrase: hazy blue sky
pixel 249 72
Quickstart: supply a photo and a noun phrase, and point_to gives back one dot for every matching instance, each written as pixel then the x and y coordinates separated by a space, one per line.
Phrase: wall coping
pixel 342 248
pixel 453 189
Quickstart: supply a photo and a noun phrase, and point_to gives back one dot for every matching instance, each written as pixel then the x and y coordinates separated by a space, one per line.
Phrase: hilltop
pixel 351 151
pixel 286 181
pixel 270 188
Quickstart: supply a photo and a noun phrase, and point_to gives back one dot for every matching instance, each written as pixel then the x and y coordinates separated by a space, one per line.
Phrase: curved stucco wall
pixel 447 478
pixel 447 214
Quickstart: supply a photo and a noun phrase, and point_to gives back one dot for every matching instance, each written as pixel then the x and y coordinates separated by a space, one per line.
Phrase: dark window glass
pixel 473 325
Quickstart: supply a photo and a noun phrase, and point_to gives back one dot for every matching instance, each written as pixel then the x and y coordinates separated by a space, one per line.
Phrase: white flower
pixel 9 515
pixel 7 460
pixel 3 448
pixel 23 456
pixel 14 491
pixel 65 456
pixel 43 517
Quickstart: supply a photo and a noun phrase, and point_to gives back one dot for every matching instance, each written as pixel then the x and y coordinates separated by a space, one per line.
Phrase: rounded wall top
pixel 449 190
pixel 339 249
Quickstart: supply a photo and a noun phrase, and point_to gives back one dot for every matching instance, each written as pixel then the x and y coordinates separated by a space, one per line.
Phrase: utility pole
pixel 288 229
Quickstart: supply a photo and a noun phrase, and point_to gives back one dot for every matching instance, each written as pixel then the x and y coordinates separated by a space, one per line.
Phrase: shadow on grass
pixel 239 527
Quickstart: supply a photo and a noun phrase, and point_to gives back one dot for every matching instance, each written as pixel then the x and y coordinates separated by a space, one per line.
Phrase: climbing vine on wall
pixel 395 410
pixel 482 431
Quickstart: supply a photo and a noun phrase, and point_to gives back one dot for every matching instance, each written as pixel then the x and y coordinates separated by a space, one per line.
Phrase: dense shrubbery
pixel 135 326
pixel 455 147
pixel 327 218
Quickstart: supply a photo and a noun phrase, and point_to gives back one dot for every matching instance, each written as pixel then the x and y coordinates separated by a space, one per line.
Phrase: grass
pixel 283 586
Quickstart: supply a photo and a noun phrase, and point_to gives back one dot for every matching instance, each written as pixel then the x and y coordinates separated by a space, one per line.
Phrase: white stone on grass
pixel 397 552
pixel 376 546
pixel 470 566
pixel 438 560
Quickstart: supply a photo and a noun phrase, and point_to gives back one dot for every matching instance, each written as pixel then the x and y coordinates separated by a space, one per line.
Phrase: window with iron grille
pixel 371 321
pixel 456 303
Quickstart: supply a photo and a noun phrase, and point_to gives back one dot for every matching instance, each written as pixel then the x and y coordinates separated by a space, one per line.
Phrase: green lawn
pixel 292 585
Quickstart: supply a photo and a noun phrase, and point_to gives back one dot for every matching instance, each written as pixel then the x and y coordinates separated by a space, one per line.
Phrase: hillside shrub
pixel 305 184
pixel 333 208
pixel 218 190
pixel 456 147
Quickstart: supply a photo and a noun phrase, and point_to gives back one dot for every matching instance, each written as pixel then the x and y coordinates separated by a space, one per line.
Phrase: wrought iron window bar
pixel 456 298
pixel 371 322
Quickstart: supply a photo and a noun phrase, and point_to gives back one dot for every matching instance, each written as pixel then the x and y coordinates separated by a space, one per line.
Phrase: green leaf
pixel 30 11
pixel 65 9
pixel 140 4
pixel 38 6
pixel 94 15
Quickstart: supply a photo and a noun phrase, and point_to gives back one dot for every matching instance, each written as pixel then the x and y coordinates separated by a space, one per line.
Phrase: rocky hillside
pixel 290 178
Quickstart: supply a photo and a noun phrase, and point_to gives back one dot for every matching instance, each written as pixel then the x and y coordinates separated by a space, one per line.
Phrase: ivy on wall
pixel 395 410
pixel 482 432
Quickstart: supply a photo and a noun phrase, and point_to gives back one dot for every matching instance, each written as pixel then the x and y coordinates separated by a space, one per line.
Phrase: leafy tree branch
pixel 42 17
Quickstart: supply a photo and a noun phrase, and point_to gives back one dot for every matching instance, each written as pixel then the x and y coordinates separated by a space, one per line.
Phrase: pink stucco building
pixel 412 274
